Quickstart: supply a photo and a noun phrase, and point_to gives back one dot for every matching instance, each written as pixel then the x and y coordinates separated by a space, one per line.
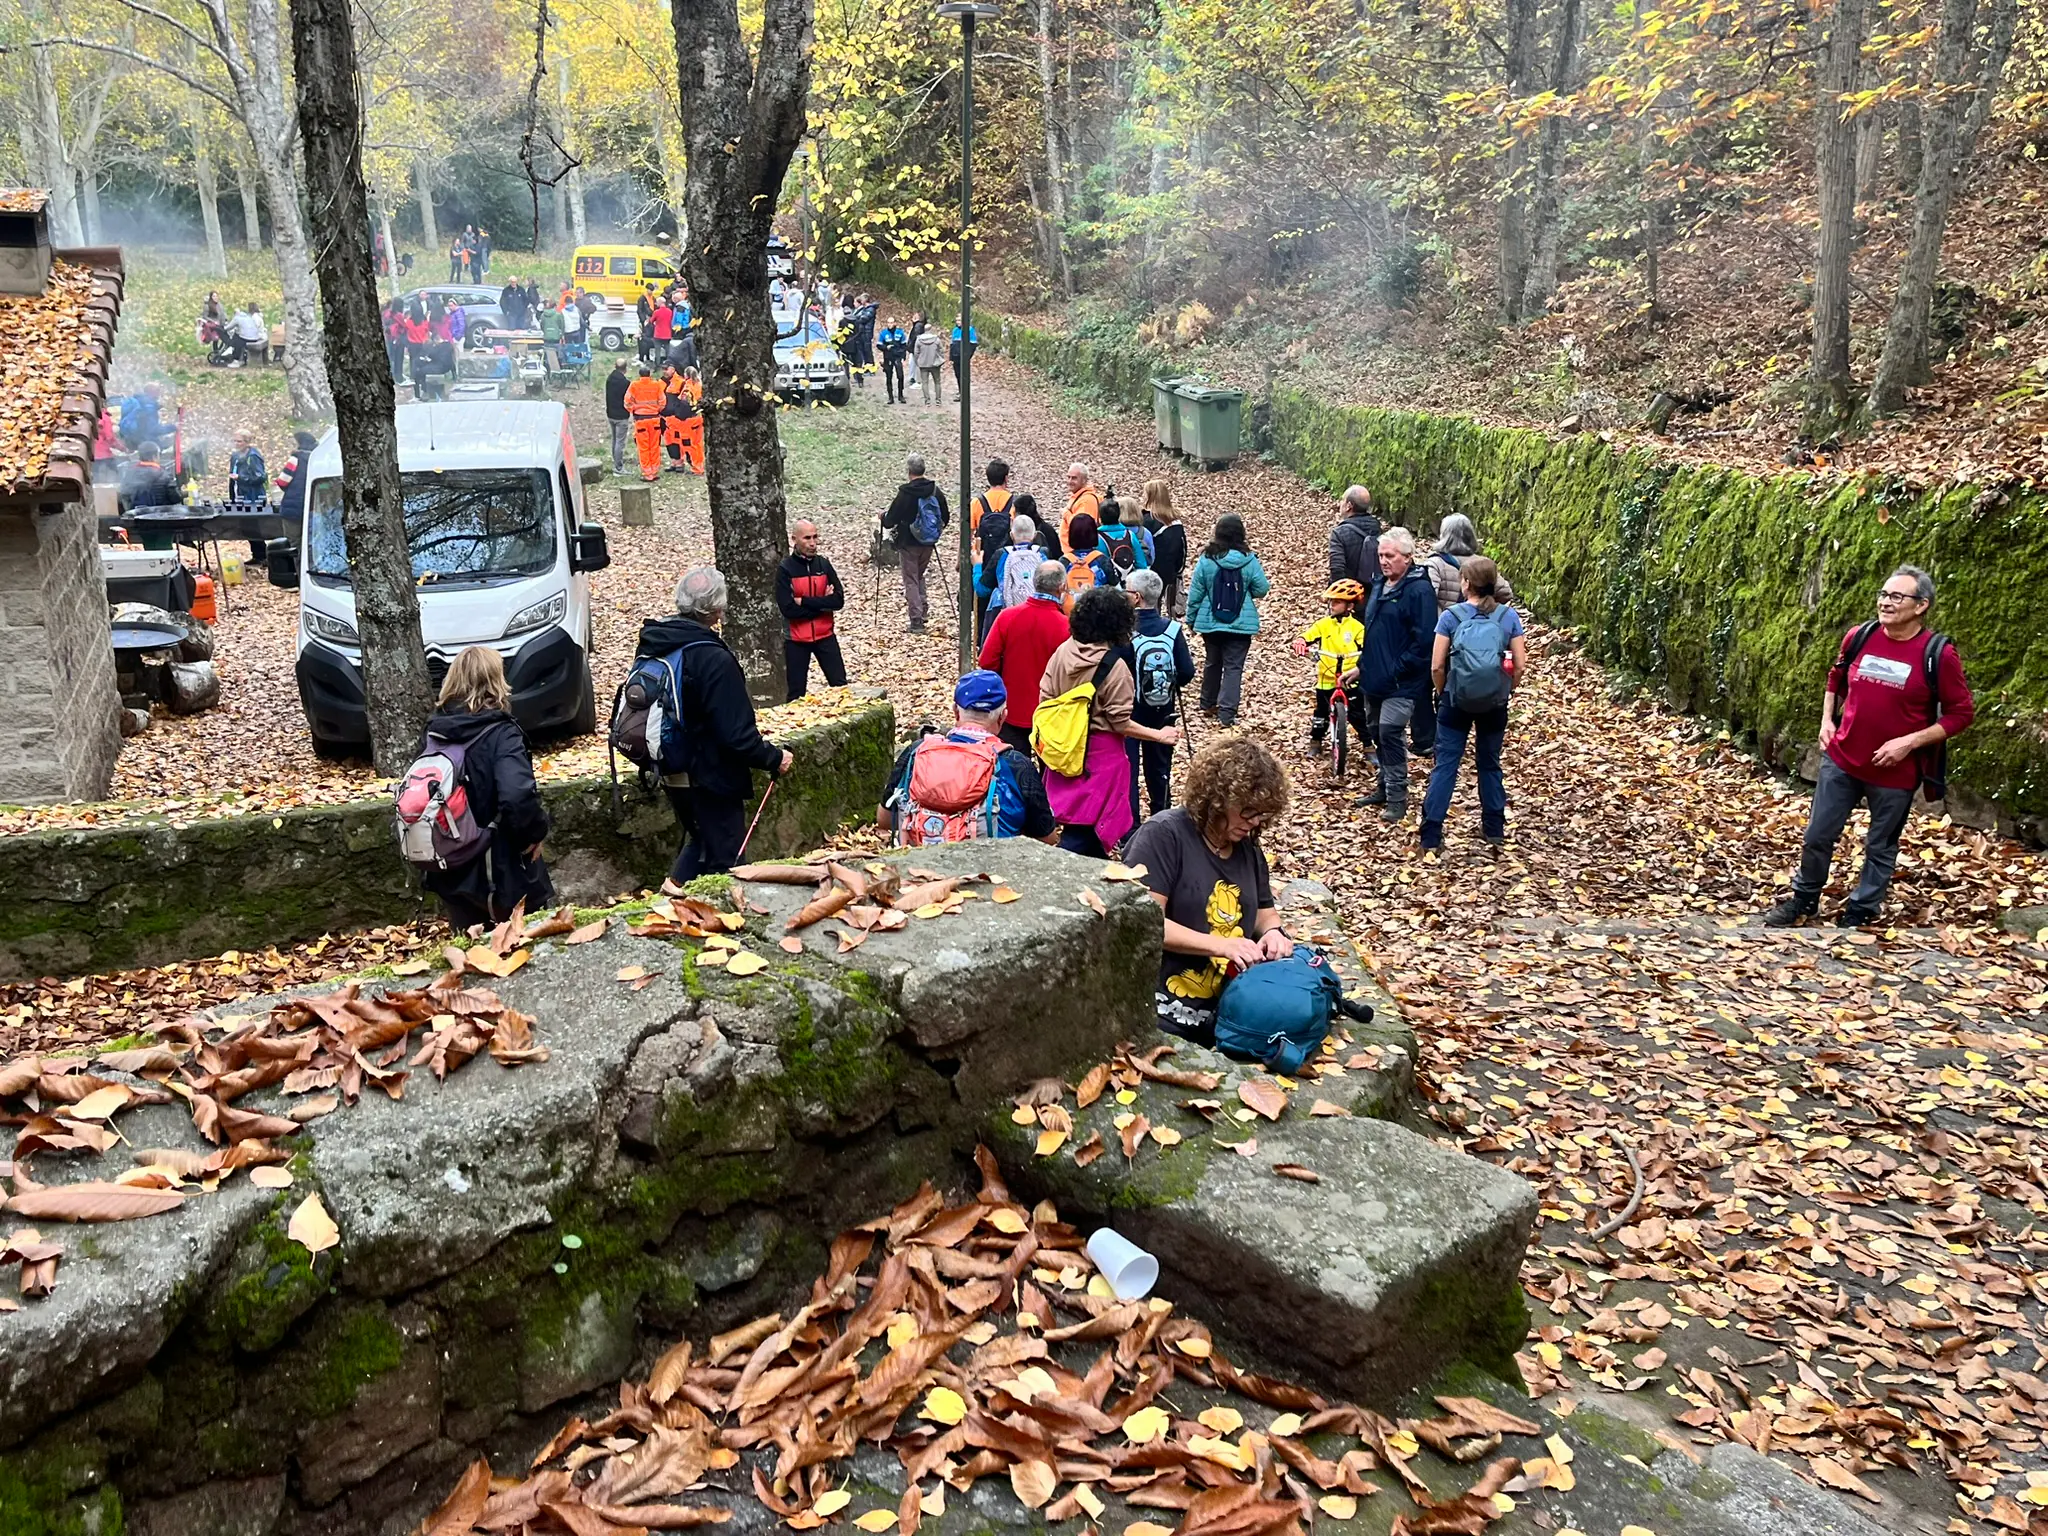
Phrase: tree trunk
pixel 395 679
pixel 430 232
pixel 390 244
pixel 1907 173
pixel 1965 76
pixel 572 177
pixel 252 215
pixel 742 120
pixel 1515 233
pixel 58 174
pixel 1061 267
pixel 209 196
pixel 1547 219
pixel 1828 378
pixel 1869 153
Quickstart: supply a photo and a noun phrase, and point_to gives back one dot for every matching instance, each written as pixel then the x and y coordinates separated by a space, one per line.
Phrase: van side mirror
pixel 587 548
pixel 282 561
pixel 590 471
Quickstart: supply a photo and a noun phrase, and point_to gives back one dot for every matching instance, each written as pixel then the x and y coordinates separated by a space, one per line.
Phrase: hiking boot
pixel 917 629
pixel 1394 811
pixel 1377 797
pixel 1790 912
pixel 1855 915
pixel 1318 735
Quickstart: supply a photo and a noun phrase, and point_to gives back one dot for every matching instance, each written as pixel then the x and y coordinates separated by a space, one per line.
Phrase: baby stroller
pixel 213 335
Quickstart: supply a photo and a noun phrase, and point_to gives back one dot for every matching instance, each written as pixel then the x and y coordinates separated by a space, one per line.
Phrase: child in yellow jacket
pixel 1338 638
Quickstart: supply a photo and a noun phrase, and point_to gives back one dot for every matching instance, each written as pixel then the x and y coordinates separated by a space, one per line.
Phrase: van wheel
pixel 612 341
pixel 584 721
pixel 338 751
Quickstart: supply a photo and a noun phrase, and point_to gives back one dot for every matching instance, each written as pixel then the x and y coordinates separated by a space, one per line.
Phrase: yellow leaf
pixel 1919 1285
pixel 1225 1421
pixel 1338 1506
pixel 713 957
pixel 1033 1482
pixel 877 1520
pixel 100 1104
pixel 1550 1354
pixel 1559 1451
pixel 1085 1497
pixel 1008 1220
pixel 1127 1095
pixel 902 1329
pixel 1147 1528
pixel 1003 894
pixel 1050 1142
pixel 1220 1451
pixel 1402 1443
pixel 1195 1349
pixel 930 909
pixel 1145 1426
pixel 1165 1135
pixel 269 1176
pixel 745 963
pixel 312 1227
pixel 942 1405
pixel 1097 1286
pixel 1286 1426
pixel 831 1501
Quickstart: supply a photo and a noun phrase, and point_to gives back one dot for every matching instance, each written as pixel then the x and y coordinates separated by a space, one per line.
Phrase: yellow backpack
pixel 1059 727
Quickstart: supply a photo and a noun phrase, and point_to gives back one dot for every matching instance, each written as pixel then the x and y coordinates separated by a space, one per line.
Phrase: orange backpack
pixel 1083 572
pixel 950 797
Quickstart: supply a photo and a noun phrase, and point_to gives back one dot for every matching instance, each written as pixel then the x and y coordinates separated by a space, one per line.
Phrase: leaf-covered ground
pixel 1838 1250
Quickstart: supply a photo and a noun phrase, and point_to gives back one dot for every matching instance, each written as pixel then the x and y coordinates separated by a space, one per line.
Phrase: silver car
pixel 479 301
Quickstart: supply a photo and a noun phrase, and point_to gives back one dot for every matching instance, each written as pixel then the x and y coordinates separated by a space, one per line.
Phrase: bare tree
pixel 1966 75
pixel 207 180
pixel 1055 156
pixel 1515 233
pixel 330 112
pixel 1547 217
pixel 742 118
pixel 1829 382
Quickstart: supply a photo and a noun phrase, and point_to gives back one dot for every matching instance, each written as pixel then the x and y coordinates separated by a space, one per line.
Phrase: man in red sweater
pixel 1887 743
pixel 1021 642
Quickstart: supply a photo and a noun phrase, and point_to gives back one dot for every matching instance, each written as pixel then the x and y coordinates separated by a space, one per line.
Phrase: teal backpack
pixel 1277 1012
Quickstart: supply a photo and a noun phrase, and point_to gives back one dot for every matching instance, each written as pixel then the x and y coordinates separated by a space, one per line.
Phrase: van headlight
pixel 323 627
pixel 538 615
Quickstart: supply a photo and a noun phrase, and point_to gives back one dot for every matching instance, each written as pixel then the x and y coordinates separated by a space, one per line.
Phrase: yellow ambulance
pixel 622 272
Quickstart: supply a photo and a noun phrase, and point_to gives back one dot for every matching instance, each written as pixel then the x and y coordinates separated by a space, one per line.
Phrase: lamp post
pixel 969 12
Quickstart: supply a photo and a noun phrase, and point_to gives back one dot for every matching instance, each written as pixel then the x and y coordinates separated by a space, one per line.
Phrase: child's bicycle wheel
pixel 1340 734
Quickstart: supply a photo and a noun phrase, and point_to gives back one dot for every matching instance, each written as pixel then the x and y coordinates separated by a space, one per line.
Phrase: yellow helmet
pixel 1345 591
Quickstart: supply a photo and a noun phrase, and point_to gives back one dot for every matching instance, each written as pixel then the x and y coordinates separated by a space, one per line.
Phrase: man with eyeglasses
pixel 1903 695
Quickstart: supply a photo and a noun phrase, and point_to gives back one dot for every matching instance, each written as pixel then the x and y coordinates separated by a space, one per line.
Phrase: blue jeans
pixel 1453 725
pixel 1835 794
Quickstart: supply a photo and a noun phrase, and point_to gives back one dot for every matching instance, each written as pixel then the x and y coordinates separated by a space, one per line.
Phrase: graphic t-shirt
pixel 1203 892
pixel 1337 643
pixel 1887 698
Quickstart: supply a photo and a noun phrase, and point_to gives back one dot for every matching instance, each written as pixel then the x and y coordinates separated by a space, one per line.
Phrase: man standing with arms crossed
pixel 808 591
pixel 1902 696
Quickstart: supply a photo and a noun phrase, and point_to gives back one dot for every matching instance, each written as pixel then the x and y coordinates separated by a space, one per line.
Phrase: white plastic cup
pixel 1129 1269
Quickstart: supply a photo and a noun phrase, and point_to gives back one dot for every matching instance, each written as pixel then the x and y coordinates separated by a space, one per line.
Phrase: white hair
pixel 1146 587
pixel 1050 579
pixel 1022 529
pixel 701 594
pixel 1400 539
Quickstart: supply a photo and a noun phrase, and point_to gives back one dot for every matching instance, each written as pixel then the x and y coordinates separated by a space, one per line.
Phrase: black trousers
pixel 796 663
pixel 713 826
pixel 892 377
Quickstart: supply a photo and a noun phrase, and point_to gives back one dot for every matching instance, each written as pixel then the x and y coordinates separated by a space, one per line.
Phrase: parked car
pixel 501 555
pixel 480 311
pixel 616 326
pixel 622 272
pixel 808 366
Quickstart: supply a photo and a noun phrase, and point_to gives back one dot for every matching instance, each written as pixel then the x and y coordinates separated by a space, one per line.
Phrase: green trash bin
pixel 1211 422
pixel 1165 419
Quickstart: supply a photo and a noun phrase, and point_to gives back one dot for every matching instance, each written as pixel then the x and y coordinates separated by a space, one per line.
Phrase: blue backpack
pixel 647 727
pixel 1226 594
pixel 1277 1012
pixel 1479 645
pixel 925 527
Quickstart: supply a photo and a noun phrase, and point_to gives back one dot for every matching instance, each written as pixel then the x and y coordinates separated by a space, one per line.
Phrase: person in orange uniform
pixel 1082 497
pixel 684 421
pixel 644 400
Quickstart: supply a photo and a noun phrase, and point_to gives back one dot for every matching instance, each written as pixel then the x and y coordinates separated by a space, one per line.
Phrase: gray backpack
pixel 1478 682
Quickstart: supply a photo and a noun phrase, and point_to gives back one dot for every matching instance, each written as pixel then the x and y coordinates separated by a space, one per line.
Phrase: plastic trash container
pixel 1211 421
pixel 1165 418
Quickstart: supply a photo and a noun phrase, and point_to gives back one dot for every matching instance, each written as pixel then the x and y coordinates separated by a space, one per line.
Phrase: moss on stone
pixel 1615 1435
pixel 1491 1322
pixel 57 1487
pixel 271 1283
pixel 716 889
pixel 359 1344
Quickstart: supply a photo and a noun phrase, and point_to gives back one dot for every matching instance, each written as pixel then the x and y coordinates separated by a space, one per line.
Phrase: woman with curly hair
pixel 1095 808
pixel 1204 865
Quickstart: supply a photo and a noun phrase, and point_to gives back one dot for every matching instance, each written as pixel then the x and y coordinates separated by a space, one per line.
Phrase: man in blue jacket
pixel 1393 669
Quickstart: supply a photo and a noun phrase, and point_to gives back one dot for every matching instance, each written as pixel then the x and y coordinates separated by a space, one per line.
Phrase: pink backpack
pixel 436 827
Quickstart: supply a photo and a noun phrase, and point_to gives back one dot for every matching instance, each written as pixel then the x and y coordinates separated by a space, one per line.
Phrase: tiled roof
pixel 53 374
pixel 23 200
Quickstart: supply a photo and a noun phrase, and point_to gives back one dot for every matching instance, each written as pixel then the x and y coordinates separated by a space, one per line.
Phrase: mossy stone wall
pixel 151 893
pixel 1725 591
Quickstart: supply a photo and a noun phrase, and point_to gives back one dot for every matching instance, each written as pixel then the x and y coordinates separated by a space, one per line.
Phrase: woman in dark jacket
pixel 474 713
pixel 1169 543
pixel 291 484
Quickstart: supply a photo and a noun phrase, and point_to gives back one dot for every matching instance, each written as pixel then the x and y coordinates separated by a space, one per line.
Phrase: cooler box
pixel 156 577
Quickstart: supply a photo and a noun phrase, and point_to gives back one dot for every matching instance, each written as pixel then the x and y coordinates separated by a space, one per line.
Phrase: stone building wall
pixel 59 711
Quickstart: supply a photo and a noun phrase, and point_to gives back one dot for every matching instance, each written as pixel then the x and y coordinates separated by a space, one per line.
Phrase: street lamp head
pixel 970 11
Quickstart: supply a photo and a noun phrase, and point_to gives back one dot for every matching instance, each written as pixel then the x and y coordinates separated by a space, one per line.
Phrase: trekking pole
pixel 1187 725
pixel 736 858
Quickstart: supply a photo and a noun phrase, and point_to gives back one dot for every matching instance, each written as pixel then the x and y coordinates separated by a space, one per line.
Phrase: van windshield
pixel 466 525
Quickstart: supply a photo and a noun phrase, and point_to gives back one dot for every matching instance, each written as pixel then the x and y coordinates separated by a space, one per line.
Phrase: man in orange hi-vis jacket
pixel 644 397
pixel 684 423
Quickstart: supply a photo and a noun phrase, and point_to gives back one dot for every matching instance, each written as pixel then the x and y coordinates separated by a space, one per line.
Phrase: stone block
pixel 636 506
pixel 245 1507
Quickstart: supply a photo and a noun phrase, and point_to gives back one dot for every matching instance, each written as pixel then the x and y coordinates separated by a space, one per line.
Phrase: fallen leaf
pixel 1002 895
pixel 791 945
pixel 1146 1425
pixel 270 1176
pixel 1089 1150
pixel 745 963
pixel 1093 902
pixel 1338 1506
pixel 92 1200
pixel 876 1520
pixel 1033 1482
pixel 830 1502
pixel 942 1405
pixel 1264 1096
pixel 1296 1171
pixel 312 1227
pixel 589 932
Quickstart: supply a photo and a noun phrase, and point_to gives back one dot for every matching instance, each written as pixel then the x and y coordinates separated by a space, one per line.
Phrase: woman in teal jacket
pixel 1223 608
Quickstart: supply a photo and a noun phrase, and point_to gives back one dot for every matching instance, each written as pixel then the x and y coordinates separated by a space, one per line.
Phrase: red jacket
pixel 664 322
pixel 809 592
pixel 1884 696
pixel 1019 644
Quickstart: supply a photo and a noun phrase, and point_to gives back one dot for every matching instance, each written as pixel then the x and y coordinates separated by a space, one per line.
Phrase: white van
pixel 501 553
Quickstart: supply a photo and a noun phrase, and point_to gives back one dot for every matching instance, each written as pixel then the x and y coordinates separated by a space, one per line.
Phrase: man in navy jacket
pixel 1393 669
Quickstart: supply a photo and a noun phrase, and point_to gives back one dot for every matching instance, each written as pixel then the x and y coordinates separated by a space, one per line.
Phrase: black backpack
pixel 1932 762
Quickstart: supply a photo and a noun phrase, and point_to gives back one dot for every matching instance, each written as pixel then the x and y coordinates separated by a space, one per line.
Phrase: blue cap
pixel 981 692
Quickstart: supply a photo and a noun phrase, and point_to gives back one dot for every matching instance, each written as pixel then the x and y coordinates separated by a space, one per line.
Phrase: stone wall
pixel 59 711
pixel 148 893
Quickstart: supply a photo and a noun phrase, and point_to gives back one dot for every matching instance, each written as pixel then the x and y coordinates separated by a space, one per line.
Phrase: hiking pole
pixel 736 858
pixel 1187 725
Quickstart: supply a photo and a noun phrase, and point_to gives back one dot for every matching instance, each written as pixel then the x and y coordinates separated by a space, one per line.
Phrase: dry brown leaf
pixel 311 1227
pixel 461 1510
pixel 93 1200
pixel 1263 1095
pixel 1298 1172
pixel 1092 1085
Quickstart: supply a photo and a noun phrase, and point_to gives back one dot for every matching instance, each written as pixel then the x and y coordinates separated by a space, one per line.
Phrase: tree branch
pixel 190 82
